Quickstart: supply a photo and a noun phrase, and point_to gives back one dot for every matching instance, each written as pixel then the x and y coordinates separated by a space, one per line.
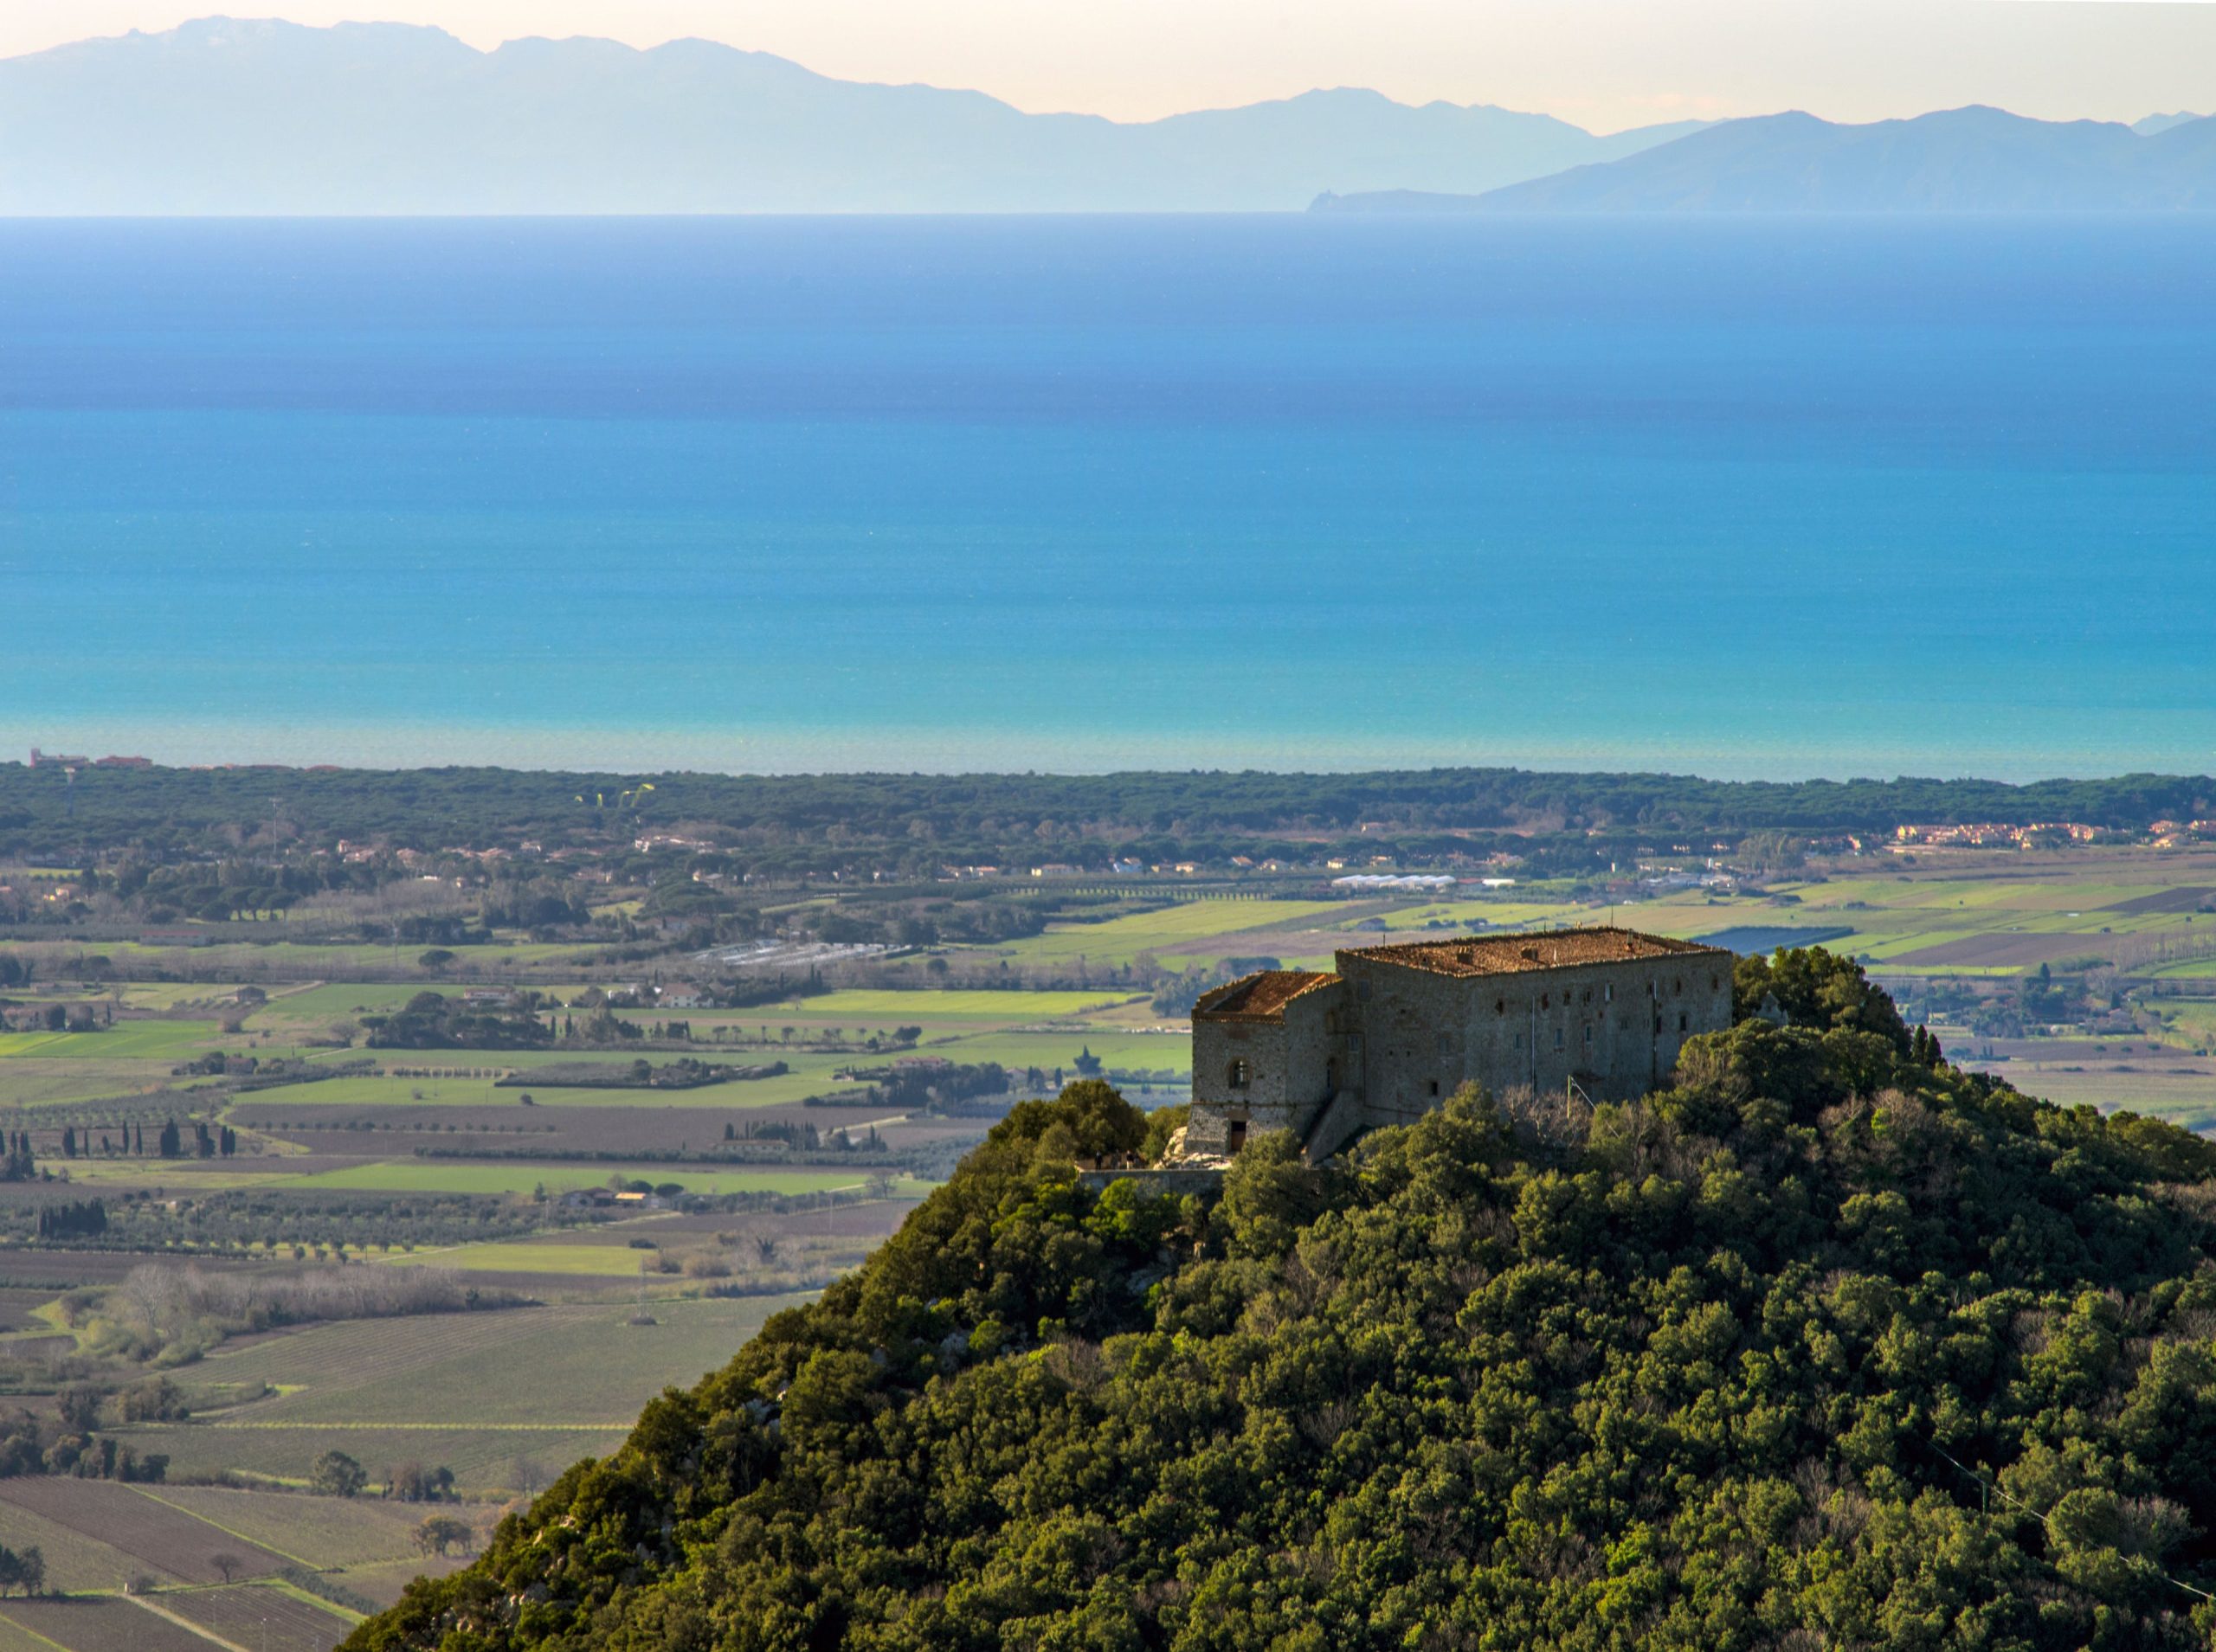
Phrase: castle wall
pixel 1404 1037
pixel 1291 1061
pixel 1616 1026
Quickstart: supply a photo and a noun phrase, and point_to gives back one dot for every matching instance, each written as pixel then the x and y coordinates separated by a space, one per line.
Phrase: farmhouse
pixel 1393 1029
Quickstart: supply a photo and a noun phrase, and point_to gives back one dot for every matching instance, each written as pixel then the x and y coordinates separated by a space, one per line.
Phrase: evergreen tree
pixel 1819 1346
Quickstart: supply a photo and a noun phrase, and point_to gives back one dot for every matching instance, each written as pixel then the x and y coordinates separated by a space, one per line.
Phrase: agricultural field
pixel 417 1175
pixel 650 1253
pixel 383 1583
pixel 326 1532
pixel 377 1149
pixel 578 1261
pixel 1995 915
pixel 294 960
pixel 264 1618
pixel 488 1464
pixel 154 1535
pixel 175 1545
pixel 1116 1048
pixel 75 1559
pixel 441 1388
pixel 811 1074
pixel 887 1010
pixel 104 1624
pixel 589 1367
pixel 1175 934
pixel 124 1041
pixel 33 1080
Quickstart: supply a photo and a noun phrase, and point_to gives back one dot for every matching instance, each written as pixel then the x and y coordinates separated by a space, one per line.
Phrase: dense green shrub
pixel 1831 1346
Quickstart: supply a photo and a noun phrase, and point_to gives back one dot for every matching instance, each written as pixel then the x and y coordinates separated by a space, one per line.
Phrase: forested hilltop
pixel 886 821
pixel 1834 1345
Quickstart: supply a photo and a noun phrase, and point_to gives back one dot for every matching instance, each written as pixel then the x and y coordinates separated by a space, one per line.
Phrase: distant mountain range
pixel 231 117
pixel 1959 160
pixel 226 116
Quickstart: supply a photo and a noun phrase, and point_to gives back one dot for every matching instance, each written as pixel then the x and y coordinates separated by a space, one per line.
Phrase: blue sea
pixel 1778 497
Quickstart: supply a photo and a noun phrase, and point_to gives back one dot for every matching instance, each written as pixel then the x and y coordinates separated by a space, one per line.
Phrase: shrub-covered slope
pixel 1831 1346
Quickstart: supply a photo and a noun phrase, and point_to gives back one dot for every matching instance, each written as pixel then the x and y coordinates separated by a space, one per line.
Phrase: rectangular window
pixel 1557 1037
pixel 1589 1037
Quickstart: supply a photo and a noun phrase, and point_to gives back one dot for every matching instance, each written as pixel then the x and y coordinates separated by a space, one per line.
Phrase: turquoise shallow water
pixel 1738 497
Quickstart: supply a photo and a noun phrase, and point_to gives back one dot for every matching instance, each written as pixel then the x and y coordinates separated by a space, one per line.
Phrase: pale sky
pixel 1603 63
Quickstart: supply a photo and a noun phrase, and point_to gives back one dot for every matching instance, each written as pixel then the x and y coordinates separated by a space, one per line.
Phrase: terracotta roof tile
pixel 1508 954
pixel 1259 996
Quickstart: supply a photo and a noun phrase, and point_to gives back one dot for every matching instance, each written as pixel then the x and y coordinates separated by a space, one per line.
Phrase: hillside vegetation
pixel 1832 1345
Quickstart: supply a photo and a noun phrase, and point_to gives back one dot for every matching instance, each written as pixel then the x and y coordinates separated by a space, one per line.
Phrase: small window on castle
pixel 1500 1007
pixel 1682 1021
pixel 1678 985
pixel 1545 1001
pixel 1557 1037
pixel 1609 993
pixel 1589 1037
pixel 1587 998
pixel 1234 1136
pixel 1519 1041
pixel 1239 1075
pixel 1434 1087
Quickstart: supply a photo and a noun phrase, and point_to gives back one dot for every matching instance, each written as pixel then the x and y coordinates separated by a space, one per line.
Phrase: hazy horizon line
pixel 401 747
pixel 1315 89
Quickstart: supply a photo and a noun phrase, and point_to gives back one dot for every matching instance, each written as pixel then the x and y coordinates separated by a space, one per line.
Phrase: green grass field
pixel 124 1041
pixel 1166 932
pixel 534 1257
pixel 1048 1051
pixel 1493 914
pixel 34 1081
pixel 895 1009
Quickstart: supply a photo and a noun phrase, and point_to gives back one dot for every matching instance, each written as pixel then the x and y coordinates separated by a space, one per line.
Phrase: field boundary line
pixel 24 1630
pixel 345 1614
pixel 182 1623
pixel 194 1514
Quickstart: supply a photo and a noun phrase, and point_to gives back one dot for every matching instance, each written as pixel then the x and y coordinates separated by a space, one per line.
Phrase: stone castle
pixel 1394 1030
